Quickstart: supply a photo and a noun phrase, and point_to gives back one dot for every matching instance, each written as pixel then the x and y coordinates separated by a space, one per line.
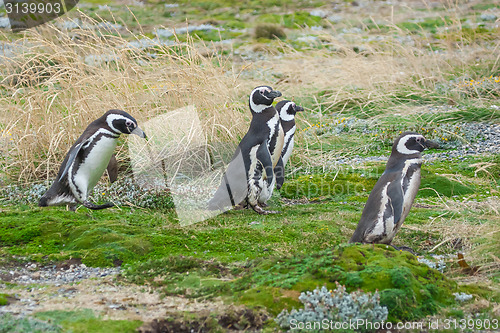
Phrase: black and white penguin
pixel 251 169
pixel 87 159
pixel 286 110
pixel 392 197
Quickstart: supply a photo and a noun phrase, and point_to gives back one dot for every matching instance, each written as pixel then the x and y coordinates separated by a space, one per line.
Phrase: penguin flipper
pixel 279 171
pixel 396 196
pixel 71 158
pixel 265 158
pixel 112 169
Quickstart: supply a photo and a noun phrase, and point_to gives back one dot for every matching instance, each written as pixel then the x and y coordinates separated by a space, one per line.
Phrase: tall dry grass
pixel 397 72
pixel 62 80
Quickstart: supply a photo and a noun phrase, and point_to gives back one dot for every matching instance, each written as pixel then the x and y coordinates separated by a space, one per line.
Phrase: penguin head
pixel 262 97
pixel 122 123
pixel 410 143
pixel 288 109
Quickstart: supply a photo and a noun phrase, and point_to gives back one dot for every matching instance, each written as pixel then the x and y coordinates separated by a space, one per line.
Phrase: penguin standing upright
pixel 87 159
pixel 251 168
pixel 281 152
pixel 275 145
pixel 392 197
pixel 286 110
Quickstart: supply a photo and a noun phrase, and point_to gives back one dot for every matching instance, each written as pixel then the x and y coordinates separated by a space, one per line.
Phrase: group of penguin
pixel 257 167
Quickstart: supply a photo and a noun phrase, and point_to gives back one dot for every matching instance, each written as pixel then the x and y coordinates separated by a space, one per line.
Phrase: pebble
pixel 488 142
pixel 31 273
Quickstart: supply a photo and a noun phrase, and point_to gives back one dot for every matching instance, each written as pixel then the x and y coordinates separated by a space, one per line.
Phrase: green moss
pixel 273 299
pixel 430 24
pixel 84 321
pixel 441 186
pixel 292 21
pixel 409 289
pixel 327 185
pixel 4 299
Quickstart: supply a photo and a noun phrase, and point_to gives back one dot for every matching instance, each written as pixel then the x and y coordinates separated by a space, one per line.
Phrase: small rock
pixel 319 12
pixel 488 17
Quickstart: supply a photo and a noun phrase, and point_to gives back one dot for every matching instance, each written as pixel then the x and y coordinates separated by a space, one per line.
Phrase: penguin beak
pixel 298 108
pixel 430 144
pixel 274 94
pixel 137 131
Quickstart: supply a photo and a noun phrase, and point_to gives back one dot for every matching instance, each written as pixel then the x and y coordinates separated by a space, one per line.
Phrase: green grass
pixel 85 321
pixel 264 262
pixel 4 299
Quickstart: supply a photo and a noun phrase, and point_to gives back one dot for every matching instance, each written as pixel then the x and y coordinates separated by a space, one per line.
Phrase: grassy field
pixel 364 72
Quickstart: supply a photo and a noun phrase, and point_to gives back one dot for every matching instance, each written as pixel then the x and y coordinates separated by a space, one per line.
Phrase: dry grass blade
pixel 59 83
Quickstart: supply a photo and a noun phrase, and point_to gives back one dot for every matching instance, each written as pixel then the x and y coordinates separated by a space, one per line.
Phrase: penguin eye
pixel 128 123
pixel 419 139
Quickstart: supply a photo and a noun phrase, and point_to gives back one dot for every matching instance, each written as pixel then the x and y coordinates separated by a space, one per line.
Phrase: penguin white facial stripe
pixel 258 108
pixel 401 147
pixel 284 115
pixel 110 118
pixel 262 90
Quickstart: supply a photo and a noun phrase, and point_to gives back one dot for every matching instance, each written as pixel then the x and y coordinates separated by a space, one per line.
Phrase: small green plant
pixel 333 306
pixel 11 324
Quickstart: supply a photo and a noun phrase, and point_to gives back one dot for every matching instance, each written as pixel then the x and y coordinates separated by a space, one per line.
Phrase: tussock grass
pixel 62 81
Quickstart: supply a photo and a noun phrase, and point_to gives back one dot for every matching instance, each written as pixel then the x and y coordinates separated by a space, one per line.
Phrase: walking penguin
pixel 251 168
pixel 87 159
pixel 392 197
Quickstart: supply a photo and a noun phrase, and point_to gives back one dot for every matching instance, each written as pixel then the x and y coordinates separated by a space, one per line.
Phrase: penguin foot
pixel 261 211
pixel 240 207
pixel 404 248
pixel 263 204
pixel 71 207
pixel 93 206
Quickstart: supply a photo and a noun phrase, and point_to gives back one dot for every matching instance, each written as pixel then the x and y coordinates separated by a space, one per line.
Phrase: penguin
pixel 392 197
pixel 251 169
pixel 286 110
pixel 275 146
pixel 87 159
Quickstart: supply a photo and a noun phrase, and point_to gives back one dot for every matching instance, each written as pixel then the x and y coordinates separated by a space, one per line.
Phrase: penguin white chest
pixel 288 145
pixel 91 169
pixel 280 141
pixel 411 192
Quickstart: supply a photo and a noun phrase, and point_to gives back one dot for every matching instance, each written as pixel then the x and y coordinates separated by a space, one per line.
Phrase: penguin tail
pixel 356 238
pixel 93 206
pixel 215 204
pixel 43 202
